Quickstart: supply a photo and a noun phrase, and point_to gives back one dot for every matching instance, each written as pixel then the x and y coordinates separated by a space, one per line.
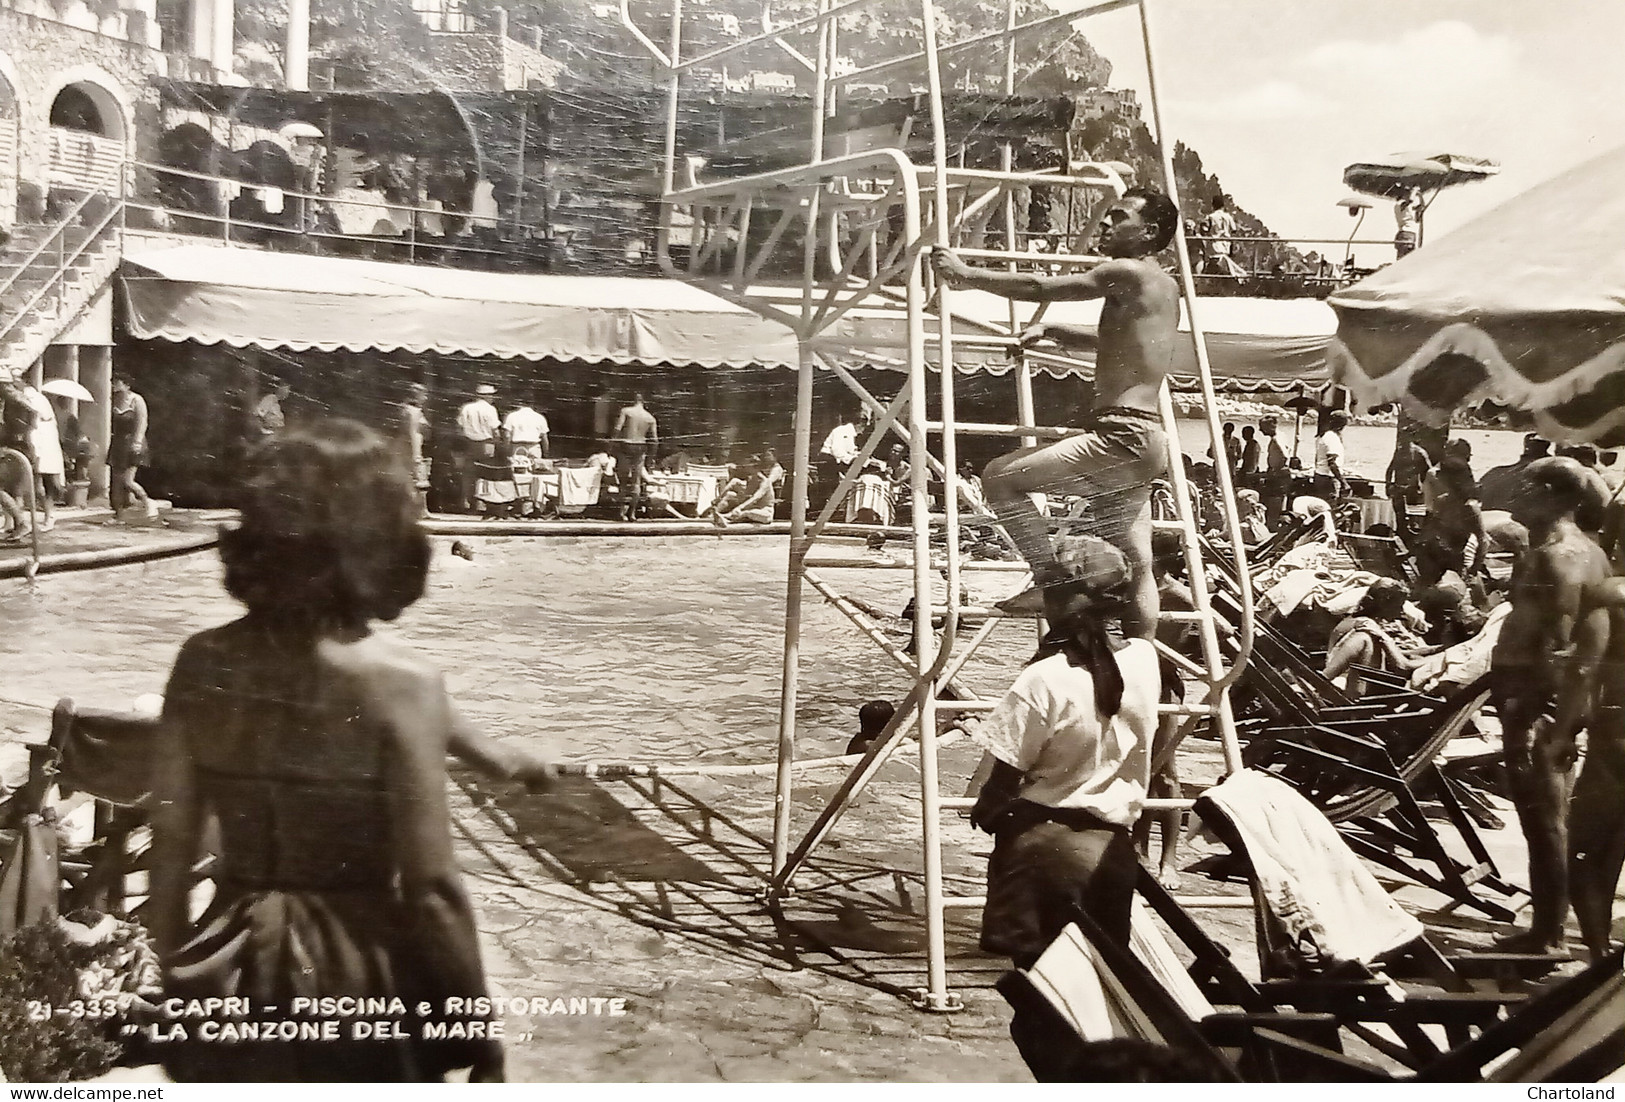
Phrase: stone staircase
pixel 50 271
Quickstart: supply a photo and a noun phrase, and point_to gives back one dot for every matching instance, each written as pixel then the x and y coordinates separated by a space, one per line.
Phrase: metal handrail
pixel 39 249
pixel 227 222
pixel 64 259
pixel 292 193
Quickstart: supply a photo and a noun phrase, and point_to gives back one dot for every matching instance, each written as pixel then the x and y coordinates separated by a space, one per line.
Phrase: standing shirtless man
pixel 1596 697
pixel 1549 645
pixel 1115 458
pixel 636 436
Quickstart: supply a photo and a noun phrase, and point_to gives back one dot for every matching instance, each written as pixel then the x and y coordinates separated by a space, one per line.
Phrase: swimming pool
pixel 654 650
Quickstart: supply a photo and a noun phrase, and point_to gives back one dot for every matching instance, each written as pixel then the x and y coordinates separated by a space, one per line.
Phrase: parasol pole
pixel 1297 425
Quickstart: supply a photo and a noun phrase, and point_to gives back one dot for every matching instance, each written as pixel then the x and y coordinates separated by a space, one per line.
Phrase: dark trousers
pixel 469 453
pixel 631 467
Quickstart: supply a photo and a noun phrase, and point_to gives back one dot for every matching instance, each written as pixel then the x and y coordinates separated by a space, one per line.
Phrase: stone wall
pixel 39 56
pixel 489 63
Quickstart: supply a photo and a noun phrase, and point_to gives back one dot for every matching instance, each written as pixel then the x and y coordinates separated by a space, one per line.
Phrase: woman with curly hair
pixel 317 748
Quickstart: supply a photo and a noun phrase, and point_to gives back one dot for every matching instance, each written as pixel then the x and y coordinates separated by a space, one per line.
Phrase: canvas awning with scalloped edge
pixel 243 297
pixel 1524 305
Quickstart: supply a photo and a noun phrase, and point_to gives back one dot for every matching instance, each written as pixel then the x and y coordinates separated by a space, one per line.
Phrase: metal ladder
pixel 874 214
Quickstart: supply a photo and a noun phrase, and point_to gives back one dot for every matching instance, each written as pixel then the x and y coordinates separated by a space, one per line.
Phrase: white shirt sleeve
pixel 1017 729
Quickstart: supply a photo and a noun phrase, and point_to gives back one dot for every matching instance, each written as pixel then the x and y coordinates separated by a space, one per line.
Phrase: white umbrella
pixel 67 388
pixel 292 130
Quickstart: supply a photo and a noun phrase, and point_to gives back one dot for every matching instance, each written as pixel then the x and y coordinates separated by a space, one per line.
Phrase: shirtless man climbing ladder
pixel 1114 459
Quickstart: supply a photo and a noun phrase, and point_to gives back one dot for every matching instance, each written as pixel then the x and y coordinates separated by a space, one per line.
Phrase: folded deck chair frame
pixel 1264 1045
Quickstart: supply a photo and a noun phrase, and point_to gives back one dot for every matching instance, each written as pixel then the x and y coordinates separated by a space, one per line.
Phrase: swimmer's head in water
pixel 462 550
pixel 329 536
pixel 873 716
pixel 1142 222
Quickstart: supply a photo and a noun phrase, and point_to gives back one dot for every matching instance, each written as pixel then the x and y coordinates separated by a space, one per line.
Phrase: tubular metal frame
pixel 890 210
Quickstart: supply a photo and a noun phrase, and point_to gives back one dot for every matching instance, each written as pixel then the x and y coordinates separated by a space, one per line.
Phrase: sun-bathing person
pixel 1307 507
pixel 872 719
pixel 1446 599
pixel 317 749
pixel 1115 459
pixel 1376 636
pixel 748 498
pixel 1537 674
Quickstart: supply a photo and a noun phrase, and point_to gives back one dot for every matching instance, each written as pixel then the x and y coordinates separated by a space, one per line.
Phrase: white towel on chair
pixel 579 485
pixel 1310 879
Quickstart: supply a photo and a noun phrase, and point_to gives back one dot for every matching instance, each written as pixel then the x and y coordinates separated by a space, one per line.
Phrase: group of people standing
pixel 1257 462
pixel 39 450
pixel 487 447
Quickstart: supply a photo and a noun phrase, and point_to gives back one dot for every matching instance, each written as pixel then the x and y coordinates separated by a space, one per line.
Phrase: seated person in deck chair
pixel 1117 457
pixel 1376 635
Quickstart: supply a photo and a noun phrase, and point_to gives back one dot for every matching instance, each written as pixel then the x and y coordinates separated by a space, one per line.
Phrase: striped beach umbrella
pixel 1524 306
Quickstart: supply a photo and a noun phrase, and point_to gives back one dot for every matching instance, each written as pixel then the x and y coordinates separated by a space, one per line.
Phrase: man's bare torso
pixel 1551 580
pixel 1139 323
pixel 636 426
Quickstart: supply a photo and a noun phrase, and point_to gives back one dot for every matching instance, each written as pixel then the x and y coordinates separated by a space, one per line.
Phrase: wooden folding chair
pixel 1572 1032
pixel 104 757
pixel 1358 998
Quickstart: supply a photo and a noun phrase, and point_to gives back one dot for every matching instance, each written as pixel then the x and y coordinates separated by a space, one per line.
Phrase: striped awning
pixel 1525 306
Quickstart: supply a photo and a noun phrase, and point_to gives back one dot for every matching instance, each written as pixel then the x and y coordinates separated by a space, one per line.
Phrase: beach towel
pixel 1326 902
pixel 579 486
pixel 1465 662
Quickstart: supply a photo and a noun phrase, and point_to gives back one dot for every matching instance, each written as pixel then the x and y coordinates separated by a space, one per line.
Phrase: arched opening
pixel 87 137
pixel 76 109
pixel 9 152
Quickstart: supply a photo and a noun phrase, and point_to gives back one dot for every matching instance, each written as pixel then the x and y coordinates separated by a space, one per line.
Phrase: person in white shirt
pixel 1073 741
pixel 527 432
pixel 1331 482
pixel 49 468
pixel 839 449
pixel 841 444
pixel 477 428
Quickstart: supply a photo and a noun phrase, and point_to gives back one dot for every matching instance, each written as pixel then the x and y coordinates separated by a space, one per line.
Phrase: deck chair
pixel 1572 1032
pixel 96 756
pixel 1366 763
pixel 1085 988
pixel 1381 555
pixel 1322 928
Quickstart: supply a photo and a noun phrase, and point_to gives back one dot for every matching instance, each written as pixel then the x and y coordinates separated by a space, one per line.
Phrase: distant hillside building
pixel 771 82
pixel 1115 103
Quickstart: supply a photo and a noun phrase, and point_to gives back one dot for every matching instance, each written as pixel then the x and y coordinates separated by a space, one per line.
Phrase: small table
pixel 698 490
pixel 1374 511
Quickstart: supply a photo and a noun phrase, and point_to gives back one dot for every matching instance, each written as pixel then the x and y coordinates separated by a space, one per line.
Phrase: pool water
pixel 648 650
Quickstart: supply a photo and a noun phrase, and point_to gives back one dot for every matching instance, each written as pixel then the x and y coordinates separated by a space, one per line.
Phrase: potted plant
pixel 80 457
